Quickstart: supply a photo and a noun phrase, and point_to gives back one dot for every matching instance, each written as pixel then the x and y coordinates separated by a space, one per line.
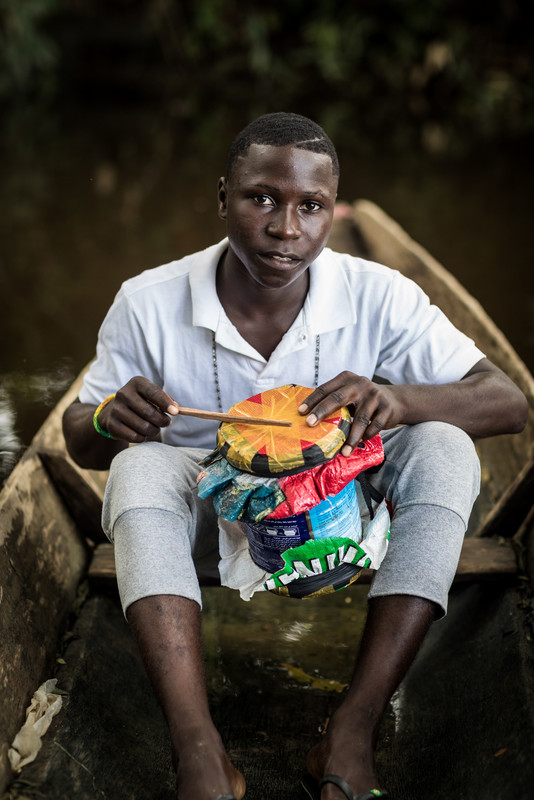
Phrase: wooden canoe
pixel 462 722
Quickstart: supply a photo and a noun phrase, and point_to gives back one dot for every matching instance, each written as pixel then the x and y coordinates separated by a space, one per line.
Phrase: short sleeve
pixel 122 353
pixel 419 344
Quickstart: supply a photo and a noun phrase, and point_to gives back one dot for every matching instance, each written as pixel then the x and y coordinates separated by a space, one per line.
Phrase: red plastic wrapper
pixel 306 489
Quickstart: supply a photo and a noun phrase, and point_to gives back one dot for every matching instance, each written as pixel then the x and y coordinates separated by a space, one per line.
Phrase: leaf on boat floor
pixel 324 684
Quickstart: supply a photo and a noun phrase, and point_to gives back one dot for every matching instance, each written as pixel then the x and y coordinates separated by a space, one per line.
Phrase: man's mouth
pixel 282 258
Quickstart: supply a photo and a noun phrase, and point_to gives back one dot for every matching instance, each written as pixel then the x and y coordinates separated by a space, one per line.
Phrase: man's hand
pixel 374 407
pixel 137 412
pixel 485 402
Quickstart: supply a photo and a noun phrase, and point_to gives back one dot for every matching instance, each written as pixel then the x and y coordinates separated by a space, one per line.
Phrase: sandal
pixel 312 788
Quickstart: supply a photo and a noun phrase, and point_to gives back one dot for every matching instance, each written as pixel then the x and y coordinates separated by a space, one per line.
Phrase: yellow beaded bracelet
pixel 97 427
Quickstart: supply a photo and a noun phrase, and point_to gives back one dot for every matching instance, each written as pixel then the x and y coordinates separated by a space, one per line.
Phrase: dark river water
pixel 89 201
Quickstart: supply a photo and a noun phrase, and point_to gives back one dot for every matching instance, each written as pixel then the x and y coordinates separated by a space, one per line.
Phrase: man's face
pixel 278 205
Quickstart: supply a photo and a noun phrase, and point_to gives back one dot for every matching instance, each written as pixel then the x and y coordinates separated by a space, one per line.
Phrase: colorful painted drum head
pixel 269 450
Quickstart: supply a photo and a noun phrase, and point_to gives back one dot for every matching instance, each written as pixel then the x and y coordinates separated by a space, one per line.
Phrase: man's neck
pixel 240 292
pixel 261 314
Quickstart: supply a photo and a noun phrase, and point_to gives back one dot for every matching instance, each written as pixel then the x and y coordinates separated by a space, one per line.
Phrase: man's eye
pixel 311 205
pixel 263 200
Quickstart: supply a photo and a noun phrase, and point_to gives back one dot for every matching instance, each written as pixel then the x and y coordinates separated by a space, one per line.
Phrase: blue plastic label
pixel 335 516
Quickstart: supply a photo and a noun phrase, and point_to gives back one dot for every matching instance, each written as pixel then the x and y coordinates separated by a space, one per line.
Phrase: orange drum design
pixel 270 451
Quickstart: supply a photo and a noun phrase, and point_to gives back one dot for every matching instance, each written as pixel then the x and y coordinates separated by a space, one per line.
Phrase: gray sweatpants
pixel 165 536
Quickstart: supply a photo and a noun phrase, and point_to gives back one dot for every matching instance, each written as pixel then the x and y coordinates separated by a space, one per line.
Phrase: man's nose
pixel 284 223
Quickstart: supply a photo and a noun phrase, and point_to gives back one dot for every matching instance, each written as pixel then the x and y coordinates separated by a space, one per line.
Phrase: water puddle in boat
pixel 305 643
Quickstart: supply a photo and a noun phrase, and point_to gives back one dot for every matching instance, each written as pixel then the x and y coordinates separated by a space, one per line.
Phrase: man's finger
pixel 328 405
pixel 160 399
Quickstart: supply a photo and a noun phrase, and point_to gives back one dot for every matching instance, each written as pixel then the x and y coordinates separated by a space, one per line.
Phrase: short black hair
pixel 280 129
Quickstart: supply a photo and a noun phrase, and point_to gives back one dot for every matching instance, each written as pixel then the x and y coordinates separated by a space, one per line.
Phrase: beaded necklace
pixel 216 367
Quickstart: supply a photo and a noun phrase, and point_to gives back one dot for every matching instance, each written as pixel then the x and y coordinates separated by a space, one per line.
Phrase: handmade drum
pixel 320 550
pixel 272 451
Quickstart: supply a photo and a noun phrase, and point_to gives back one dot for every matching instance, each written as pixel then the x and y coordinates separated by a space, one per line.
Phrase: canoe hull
pixel 42 559
pixel 474 665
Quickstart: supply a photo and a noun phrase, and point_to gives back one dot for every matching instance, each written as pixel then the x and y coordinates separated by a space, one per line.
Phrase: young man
pixel 268 306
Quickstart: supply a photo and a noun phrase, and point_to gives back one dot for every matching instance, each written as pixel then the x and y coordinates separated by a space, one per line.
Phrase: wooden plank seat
pixel 482 559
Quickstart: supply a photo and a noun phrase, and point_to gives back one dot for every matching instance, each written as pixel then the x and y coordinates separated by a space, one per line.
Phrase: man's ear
pixel 222 196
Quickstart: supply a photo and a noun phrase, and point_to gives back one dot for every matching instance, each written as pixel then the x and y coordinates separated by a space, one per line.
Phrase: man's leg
pixel 394 631
pixel 167 629
pixel 162 533
pixel 431 479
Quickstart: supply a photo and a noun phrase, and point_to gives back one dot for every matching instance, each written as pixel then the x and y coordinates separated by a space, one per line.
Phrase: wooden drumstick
pixel 197 412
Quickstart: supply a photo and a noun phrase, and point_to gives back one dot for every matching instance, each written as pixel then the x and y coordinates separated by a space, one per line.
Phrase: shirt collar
pixel 207 308
pixel 329 304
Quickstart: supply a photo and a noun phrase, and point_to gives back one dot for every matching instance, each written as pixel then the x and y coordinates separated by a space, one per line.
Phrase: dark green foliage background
pixel 465 65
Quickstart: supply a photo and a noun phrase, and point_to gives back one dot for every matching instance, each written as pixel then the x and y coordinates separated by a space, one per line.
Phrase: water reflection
pixel 10 444
pixel 43 386
pixel 281 641
pixel 26 398
pixel 296 631
pixel 396 708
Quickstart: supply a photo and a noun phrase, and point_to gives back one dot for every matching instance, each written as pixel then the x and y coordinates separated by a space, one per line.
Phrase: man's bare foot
pixel 206 773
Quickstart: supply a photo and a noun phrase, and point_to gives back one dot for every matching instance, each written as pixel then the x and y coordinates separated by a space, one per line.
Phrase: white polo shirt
pixel 371 320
